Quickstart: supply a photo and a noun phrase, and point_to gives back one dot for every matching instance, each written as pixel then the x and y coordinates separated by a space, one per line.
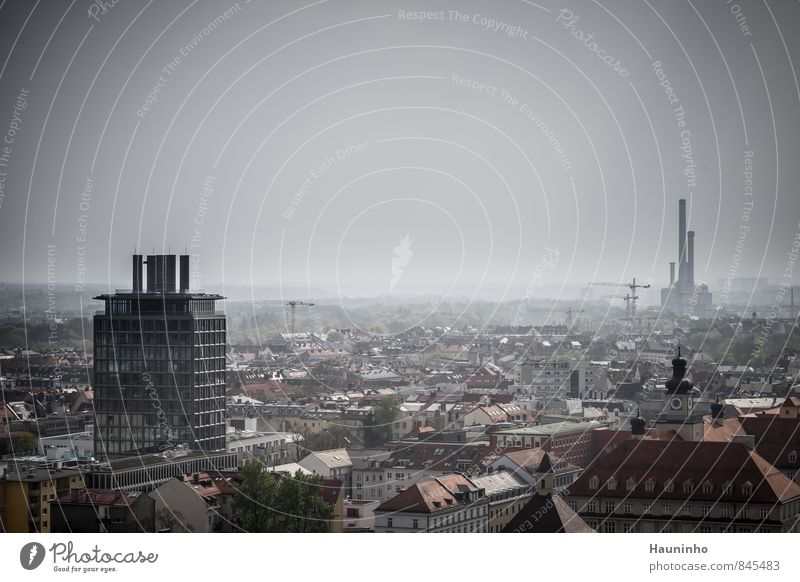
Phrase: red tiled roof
pixel 430 496
pixel 438 456
pixel 721 431
pixel 329 490
pixel 685 461
pixel 102 497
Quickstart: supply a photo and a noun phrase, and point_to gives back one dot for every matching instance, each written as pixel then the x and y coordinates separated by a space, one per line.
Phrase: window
pixel 389 522
pixel 708 487
pixel 666 509
pixel 688 486
pixel 630 484
pixel 727 488
pixel 591 507
pixel 705 510
pixel 669 486
pixel 594 482
pixel 764 512
pixel 610 507
pixel 650 486
pixel 629 508
pixel 609 527
pixel 687 510
pixel 415 524
pixel 612 484
pixel 725 512
pixel 747 489
pixel 793 457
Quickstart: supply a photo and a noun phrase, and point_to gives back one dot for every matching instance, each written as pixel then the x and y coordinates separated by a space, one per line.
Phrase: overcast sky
pixel 363 149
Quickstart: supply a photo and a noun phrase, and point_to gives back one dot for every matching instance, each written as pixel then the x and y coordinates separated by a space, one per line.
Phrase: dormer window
pixel 594 482
pixel 688 486
pixel 612 484
pixel 747 489
pixel 669 486
pixel 630 484
pixel 793 457
pixel 708 487
pixel 727 488
pixel 650 486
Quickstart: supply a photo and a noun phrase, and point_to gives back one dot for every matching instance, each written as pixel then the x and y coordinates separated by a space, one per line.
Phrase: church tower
pixel 678 411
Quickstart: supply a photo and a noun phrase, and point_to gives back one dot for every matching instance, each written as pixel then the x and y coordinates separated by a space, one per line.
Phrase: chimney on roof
pixel 717 410
pixel 545 484
pixel 638 425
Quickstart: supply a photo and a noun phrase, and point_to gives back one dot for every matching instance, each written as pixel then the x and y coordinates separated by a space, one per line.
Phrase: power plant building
pixel 685 297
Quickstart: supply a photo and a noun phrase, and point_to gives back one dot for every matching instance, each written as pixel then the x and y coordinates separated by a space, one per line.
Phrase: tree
pixel 379 429
pixel 331 438
pixel 324 376
pixel 252 506
pixel 335 336
pixel 291 504
pixel 172 521
pixel 25 444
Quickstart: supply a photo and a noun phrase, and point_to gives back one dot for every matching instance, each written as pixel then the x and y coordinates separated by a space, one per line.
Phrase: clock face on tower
pixel 675 404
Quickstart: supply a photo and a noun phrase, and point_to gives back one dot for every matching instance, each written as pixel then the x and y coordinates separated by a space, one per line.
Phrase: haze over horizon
pixel 364 150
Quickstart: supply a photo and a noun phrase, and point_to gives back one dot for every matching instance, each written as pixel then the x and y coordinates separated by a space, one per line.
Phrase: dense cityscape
pixel 678 417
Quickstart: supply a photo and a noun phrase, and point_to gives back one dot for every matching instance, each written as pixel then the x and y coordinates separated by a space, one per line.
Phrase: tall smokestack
pixel 682 263
pixel 690 268
pixel 137 274
pixel 672 273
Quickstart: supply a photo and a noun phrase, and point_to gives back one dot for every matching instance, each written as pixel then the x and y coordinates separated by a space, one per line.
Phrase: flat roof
pixel 553 428
pixel 145 461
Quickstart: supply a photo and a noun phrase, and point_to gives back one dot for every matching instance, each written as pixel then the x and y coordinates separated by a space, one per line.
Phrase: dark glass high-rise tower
pixel 159 365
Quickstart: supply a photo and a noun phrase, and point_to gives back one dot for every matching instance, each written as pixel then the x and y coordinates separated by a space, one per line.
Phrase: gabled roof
pixel 682 461
pixel 547 514
pixel 430 495
pixel 530 460
pixel 333 459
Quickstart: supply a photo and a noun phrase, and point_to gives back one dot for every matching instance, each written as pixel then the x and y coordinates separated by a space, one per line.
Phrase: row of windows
pixel 626 527
pixel 123 338
pixel 707 486
pixel 686 510
pixel 136 324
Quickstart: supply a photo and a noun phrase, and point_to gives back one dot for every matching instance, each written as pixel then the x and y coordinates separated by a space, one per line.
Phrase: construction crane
pixel 627 298
pixel 292 306
pixel 632 286
pixel 569 313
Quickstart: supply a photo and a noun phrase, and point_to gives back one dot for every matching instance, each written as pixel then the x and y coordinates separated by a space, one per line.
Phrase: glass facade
pixel 159 374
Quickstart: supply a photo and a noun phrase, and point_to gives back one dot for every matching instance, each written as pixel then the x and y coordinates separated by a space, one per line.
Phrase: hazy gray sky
pixel 365 148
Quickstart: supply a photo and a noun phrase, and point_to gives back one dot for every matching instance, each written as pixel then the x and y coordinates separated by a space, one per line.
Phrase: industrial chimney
pixel 690 267
pixel 672 274
pixel 682 262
